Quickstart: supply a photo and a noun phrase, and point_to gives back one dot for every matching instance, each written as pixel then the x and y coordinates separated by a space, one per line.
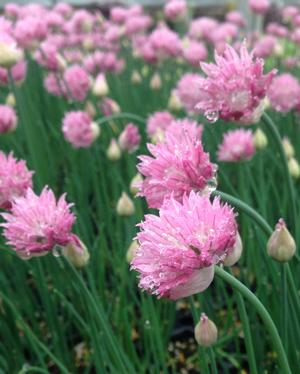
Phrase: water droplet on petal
pixel 147 324
pixel 211 116
pixel 56 251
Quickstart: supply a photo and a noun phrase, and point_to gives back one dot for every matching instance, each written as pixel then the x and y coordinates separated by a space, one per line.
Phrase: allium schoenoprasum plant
pixel 149 190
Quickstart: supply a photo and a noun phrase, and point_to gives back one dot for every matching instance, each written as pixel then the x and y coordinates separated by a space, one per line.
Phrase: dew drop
pixel 56 251
pixel 211 116
pixel 147 324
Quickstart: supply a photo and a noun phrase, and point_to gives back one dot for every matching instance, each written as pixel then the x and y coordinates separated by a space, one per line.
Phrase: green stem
pixel 130 116
pixel 261 310
pixel 284 306
pixel 287 176
pixel 213 361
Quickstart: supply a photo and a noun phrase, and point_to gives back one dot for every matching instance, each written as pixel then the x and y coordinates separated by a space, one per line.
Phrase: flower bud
pixel 155 82
pixel 10 100
pixel 145 70
pixel 9 54
pixel 281 245
pixel 174 102
pixel 77 253
pixel 109 107
pixel 135 182
pixel 136 77
pixel 294 168
pixel 100 87
pixel 236 252
pixel 113 152
pixel 90 109
pixel 288 148
pixel 260 140
pixel 95 130
pixel 125 206
pixel 131 251
pixel 206 332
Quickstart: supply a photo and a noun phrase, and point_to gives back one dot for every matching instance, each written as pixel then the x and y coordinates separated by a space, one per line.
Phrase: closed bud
pixel 260 140
pixel 155 82
pixel 288 148
pixel 135 182
pixel 125 206
pixel 62 64
pixel 131 251
pixel 136 77
pixel 100 87
pixel 174 102
pixel 113 152
pixel 90 109
pixel 9 54
pixel 294 168
pixel 145 70
pixel 10 100
pixel 206 332
pixel 76 253
pixel 281 245
pixel 236 252
pixel 95 130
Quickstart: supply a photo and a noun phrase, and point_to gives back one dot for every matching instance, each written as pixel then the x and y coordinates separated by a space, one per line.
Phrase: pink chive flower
pixel 15 179
pixel 158 122
pixel 176 166
pixel 179 248
pixel 36 224
pixel 194 52
pixel 165 43
pixel 18 72
pixel 201 28
pixel 188 91
pixel 284 92
pixel 54 85
pixel 236 145
pixel 236 17
pixel 265 46
pixel 129 138
pixel 77 82
pixel 175 9
pixel 259 6
pixel 79 130
pixel 234 87
pixel 276 29
pixel 8 119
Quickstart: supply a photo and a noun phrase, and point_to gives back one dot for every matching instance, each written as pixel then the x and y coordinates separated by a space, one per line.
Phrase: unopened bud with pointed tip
pixel 10 100
pixel 288 148
pixel 136 77
pixel 294 168
pixel 96 131
pixel 260 140
pixel 206 332
pixel 90 109
pixel 236 252
pixel 100 86
pixel 174 102
pixel 135 182
pixel 125 206
pixel 155 82
pixel 131 251
pixel 113 152
pixel 281 245
pixel 76 253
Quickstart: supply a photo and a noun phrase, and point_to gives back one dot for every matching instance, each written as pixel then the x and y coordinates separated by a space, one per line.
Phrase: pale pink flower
pixel 234 87
pixel 130 138
pixel 175 9
pixel 29 31
pixel 12 10
pixel 194 52
pixel 63 8
pixel 176 166
pixel 77 82
pixel 289 12
pixel 295 36
pixel 188 91
pixel 47 56
pixel 79 130
pixel 179 248
pixel 259 6
pixel 54 85
pixel 15 179
pixel 6 26
pixel 118 14
pixel 236 145
pixel 108 107
pixel 36 224
pixel 136 24
pixel 165 42
pixel 276 29
pixel 236 17
pixel 265 46
pixel 18 72
pixel 8 119
pixel 158 122
pixel 201 28
pixel 284 92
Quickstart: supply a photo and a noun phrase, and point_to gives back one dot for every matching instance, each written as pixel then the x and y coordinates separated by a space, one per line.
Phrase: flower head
pixel 188 91
pixel 15 179
pixel 8 119
pixel 79 129
pixel 175 9
pixel 77 82
pixel 236 145
pixel 36 224
pixel 234 87
pixel 158 122
pixel 177 166
pixel 284 92
pixel 259 6
pixel 179 247
pixel 129 138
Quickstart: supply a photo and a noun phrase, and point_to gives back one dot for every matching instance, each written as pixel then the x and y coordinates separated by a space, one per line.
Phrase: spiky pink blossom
pixel 236 145
pixel 179 248
pixel 158 122
pixel 36 224
pixel 79 130
pixel 234 87
pixel 129 138
pixel 8 119
pixel 77 82
pixel 188 91
pixel 284 92
pixel 15 179
pixel 176 166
